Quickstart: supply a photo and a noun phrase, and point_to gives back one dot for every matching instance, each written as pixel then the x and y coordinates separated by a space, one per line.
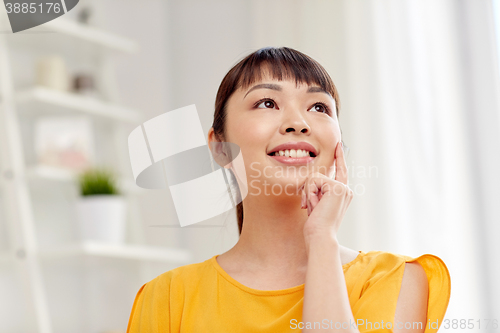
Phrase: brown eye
pixel 320 107
pixel 269 104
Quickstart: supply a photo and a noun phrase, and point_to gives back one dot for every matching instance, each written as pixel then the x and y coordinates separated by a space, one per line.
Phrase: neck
pixel 272 235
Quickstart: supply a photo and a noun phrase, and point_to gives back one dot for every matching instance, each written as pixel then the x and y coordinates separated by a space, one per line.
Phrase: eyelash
pixel 328 111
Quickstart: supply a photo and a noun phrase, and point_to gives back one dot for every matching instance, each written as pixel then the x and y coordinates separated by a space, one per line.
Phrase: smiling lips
pixel 294 146
pixel 294 153
pixel 293 160
pixel 292 156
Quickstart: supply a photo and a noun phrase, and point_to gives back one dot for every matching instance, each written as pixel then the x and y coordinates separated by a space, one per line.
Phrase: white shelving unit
pixel 46 101
pixel 35 173
pixel 16 176
pixel 133 252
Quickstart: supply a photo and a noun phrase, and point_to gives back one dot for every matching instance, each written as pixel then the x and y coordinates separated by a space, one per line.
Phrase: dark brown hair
pixel 282 63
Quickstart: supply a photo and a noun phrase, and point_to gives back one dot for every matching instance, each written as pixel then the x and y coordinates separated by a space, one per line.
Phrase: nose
pixel 292 129
pixel 295 123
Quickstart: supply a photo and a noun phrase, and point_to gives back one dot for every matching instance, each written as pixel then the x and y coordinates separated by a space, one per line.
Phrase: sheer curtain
pixel 419 90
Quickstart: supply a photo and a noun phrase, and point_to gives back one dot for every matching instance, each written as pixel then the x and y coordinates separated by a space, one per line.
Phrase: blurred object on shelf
pixel 101 208
pixel 64 142
pixel 98 181
pixel 84 15
pixel 52 72
pixel 83 84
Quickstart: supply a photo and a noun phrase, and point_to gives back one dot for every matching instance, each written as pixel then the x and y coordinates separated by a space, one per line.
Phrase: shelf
pixel 40 172
pixel 50 173
pixel 91 34
pixel 68 32
pixel 129 251
pixel 42 100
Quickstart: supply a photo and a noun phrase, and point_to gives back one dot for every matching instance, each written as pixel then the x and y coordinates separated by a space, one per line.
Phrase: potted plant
pixel 101 208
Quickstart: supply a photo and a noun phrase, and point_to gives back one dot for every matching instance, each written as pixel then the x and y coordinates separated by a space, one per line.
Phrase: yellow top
pixel 202 297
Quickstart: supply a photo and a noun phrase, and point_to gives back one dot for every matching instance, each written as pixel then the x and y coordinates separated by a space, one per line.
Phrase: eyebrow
pixel 318 89
pixel 264 86
pixel 277 87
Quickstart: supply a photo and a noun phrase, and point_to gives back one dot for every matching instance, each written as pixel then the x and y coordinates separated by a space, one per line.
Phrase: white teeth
pixel 292 153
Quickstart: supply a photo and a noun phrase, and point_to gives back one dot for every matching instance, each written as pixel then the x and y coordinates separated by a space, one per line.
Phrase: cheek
pixel 329 139
pixel 329 133
pixel 253 138
pixel 251 134
pixel 334 131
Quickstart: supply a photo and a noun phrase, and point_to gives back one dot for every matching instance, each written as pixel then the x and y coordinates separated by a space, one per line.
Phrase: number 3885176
pixel 32 8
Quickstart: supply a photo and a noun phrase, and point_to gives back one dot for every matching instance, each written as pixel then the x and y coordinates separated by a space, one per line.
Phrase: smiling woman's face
pixel 269 113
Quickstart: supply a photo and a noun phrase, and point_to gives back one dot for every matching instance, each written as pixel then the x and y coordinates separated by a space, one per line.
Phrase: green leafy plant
pixel 95 181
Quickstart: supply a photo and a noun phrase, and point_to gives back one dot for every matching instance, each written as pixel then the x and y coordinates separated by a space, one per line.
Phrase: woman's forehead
pixel 283 82
pixel 282 77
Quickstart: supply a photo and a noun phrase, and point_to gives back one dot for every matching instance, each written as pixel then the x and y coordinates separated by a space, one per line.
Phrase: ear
pixel 218 150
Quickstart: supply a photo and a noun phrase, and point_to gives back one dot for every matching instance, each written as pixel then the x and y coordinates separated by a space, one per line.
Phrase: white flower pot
pixel 102 218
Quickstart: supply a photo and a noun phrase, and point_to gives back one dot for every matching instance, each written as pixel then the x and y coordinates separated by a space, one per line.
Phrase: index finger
pixel 340 165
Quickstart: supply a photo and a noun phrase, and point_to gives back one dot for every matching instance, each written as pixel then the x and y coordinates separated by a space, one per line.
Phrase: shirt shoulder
pixel 183 276
pixel 376 279
pixel 164 295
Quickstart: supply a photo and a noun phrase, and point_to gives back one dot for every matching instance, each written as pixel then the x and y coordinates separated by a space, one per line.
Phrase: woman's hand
pixel 326 199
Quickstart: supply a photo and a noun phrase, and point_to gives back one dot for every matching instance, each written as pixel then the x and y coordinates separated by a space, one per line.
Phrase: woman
pixel 288 271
